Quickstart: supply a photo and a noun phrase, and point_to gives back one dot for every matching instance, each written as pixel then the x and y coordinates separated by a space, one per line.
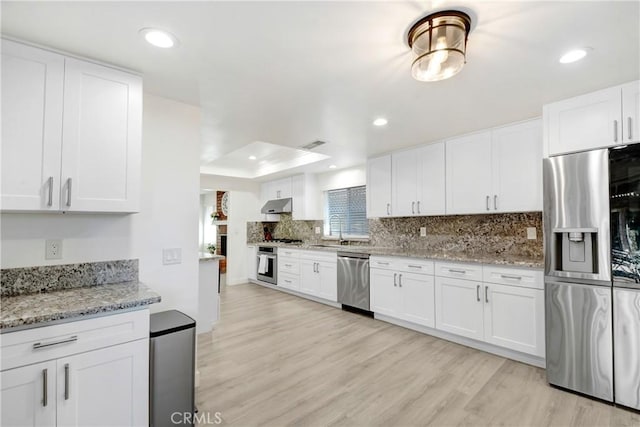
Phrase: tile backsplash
pixel 473 234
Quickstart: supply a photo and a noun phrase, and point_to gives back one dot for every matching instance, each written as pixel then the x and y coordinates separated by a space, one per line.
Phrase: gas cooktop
pixel 293 241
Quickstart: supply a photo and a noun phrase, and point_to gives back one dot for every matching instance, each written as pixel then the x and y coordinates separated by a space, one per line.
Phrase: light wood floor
pixel 275 359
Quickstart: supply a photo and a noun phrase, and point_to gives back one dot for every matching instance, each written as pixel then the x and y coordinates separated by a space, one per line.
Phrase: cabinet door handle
pixel 44 387
pixel 414 266
pixel 486 294
pixel 395 276
pixel 488 203
pixel 388 208
pixel 50 184
pixel 418 204
pixel 382 263
pixel 400 280
pixel 629 127
pixel 478 293
pixel 451 270
pixel 40 345
pixel 287 265
pixel 278 194
pixel 508 276
pixel 66 381
pixel 495 202
pixel 69 191
pixel 615 131
pixel 413 207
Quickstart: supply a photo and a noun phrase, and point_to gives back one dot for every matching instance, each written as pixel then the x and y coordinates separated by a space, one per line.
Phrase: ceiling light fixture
pixel 252 157
pixel 380 121
pixel 159 38
pixel 332 166
pixel 573 56
pixel 439 43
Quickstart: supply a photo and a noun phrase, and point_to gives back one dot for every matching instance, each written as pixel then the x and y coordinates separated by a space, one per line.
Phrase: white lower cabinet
pixel 252 262
pixel 70 386
pixel 319 277
pixel 397 291
pixel 459 307
pixel 28 395
pixel 514 318
pixel 508 314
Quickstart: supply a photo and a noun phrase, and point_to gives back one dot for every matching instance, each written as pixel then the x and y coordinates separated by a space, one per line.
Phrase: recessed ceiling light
pixel 252 157
pixel 380 121
pixel 159 38
pixel 332 166
pixel 573 56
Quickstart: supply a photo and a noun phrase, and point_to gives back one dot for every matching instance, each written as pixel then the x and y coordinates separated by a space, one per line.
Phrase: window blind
pixel 350 204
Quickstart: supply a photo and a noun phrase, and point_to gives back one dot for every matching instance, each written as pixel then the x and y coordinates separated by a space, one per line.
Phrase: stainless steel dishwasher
pixel 353 280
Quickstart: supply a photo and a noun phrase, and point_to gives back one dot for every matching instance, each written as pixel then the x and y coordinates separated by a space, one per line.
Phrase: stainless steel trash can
pixel 172 369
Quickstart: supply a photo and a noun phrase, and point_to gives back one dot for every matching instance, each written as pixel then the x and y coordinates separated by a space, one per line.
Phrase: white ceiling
pixel 290 73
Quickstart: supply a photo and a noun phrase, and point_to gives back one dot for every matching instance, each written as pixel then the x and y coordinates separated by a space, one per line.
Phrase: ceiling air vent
pixel 313 145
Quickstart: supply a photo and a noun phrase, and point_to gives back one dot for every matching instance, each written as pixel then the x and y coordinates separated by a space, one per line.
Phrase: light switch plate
pixel 53 249
pixel 423 231
pixel 317 230
pixel 532 233
pixel 172 256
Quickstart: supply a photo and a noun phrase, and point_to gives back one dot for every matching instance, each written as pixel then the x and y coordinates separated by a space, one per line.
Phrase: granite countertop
pixel 481 258
pixel 206 256
pixel 30 309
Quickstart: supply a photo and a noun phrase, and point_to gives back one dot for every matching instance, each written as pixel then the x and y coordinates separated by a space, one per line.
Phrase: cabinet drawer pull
pixel 395 275
pixel 615 131
pixel 400 280
pixel 486 294
pixel 287 281
pixel 629 128
pixel 40 345
pixel 414 266
pixel 287 265
pixel 50 184
pixel 69 181
pixel 508 276
pixel 66 381
pixel 44 387
pixel 382 263
pixel 453 270
pixel 478 293
pixel 488 203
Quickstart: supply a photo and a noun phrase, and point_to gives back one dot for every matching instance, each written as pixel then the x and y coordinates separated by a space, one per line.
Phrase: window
pixel 350 205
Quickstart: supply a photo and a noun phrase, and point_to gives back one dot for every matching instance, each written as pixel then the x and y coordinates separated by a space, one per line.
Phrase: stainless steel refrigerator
pixel 590 238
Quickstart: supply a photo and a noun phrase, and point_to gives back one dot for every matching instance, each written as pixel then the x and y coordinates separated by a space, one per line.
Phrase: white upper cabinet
pixel 278 189
pixel 102 130
pixel 631 112
pixel 598 119
pixel 517 167
pixel 32 98
pixel 71 137
pixel 469 174
pixel 405 182
pixel 496 171
pixel 306 197
pixel 418 181
pixel 379 187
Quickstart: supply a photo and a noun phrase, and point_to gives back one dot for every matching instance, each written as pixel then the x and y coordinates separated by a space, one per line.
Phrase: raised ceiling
pixel 290 73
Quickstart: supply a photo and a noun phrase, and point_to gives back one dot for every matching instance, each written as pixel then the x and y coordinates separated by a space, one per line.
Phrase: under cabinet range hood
pixel 277 206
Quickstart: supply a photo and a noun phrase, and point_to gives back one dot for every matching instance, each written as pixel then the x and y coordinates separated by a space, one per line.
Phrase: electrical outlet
pixel 532 233
pixel 172 256
pixel 53 249
pixel 423 231
pixel 317 230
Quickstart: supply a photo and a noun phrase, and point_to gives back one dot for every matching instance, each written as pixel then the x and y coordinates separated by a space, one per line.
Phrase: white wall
pixel 244 201
pixel 344 178
pixel 168 217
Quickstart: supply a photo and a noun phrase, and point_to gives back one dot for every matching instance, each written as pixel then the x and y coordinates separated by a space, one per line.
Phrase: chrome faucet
pixel 339 223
